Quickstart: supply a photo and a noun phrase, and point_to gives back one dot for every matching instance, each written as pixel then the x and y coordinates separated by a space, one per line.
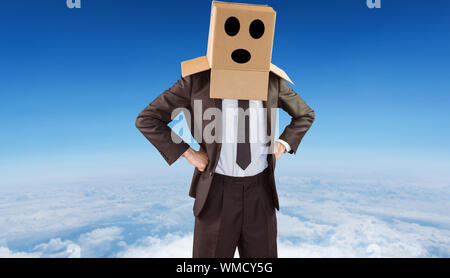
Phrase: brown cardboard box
pixel 239 51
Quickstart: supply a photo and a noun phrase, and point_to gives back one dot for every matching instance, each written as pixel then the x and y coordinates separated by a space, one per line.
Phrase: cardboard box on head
pixel 239 51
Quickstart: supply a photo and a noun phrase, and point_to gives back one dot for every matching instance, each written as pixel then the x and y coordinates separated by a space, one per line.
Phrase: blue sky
pixel 73 81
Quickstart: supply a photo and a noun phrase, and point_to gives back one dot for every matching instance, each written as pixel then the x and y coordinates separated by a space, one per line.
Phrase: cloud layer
pixel 319 217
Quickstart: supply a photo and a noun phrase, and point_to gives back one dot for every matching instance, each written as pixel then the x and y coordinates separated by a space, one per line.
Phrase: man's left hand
pixel 279 149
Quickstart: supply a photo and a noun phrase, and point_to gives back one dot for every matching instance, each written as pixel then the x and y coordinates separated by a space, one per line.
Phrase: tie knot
pixel 243 103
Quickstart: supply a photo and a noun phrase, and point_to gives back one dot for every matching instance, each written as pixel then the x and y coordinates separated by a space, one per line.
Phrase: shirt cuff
pixel 285 144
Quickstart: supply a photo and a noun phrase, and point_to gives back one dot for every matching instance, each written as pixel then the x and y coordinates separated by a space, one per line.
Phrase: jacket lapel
pixel 218 103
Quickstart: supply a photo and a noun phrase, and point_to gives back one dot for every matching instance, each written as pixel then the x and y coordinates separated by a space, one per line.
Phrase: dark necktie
pixel 243 157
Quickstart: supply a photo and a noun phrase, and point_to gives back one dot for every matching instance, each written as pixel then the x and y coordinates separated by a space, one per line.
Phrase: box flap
pixel 199 64
pixel 280 73
pixel 194 65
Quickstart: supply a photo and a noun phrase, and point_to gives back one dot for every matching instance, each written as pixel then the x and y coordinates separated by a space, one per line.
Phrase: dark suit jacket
pixel 153 120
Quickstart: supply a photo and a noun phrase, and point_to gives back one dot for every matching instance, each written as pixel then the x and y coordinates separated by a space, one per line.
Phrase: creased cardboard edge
pixel 280 73
pixel 195 65
pixel 200 64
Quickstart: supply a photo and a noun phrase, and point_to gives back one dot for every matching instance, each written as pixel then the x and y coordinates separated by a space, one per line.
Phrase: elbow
pixel 312 116
pixel 146 121
pixel 309 117
pixel 139 122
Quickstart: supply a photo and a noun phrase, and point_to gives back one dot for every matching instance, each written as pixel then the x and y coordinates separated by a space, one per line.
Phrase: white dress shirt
pixel 227 160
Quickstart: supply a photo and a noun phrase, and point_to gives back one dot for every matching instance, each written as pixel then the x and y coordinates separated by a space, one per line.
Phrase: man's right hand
pixel 196 158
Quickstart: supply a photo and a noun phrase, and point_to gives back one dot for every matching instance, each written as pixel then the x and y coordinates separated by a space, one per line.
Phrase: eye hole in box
pixel 257 29
pixel 232 26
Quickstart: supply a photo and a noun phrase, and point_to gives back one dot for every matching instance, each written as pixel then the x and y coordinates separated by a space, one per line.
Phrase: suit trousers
pixel 239 212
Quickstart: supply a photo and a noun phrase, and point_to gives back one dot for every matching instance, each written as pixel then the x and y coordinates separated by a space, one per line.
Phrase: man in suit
pixel 234 207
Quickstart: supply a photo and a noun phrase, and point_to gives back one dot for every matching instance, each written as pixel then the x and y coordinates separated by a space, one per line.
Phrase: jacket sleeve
pixel 153 120
pixel 302 115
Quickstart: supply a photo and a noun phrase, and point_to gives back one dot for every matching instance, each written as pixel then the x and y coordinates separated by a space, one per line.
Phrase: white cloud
pixel 319 217
pixel 45 211
pixel 291 226
pixel 99 241
pixel 57 248
pixel 170 246
pixel 357 236
pixel 6 253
